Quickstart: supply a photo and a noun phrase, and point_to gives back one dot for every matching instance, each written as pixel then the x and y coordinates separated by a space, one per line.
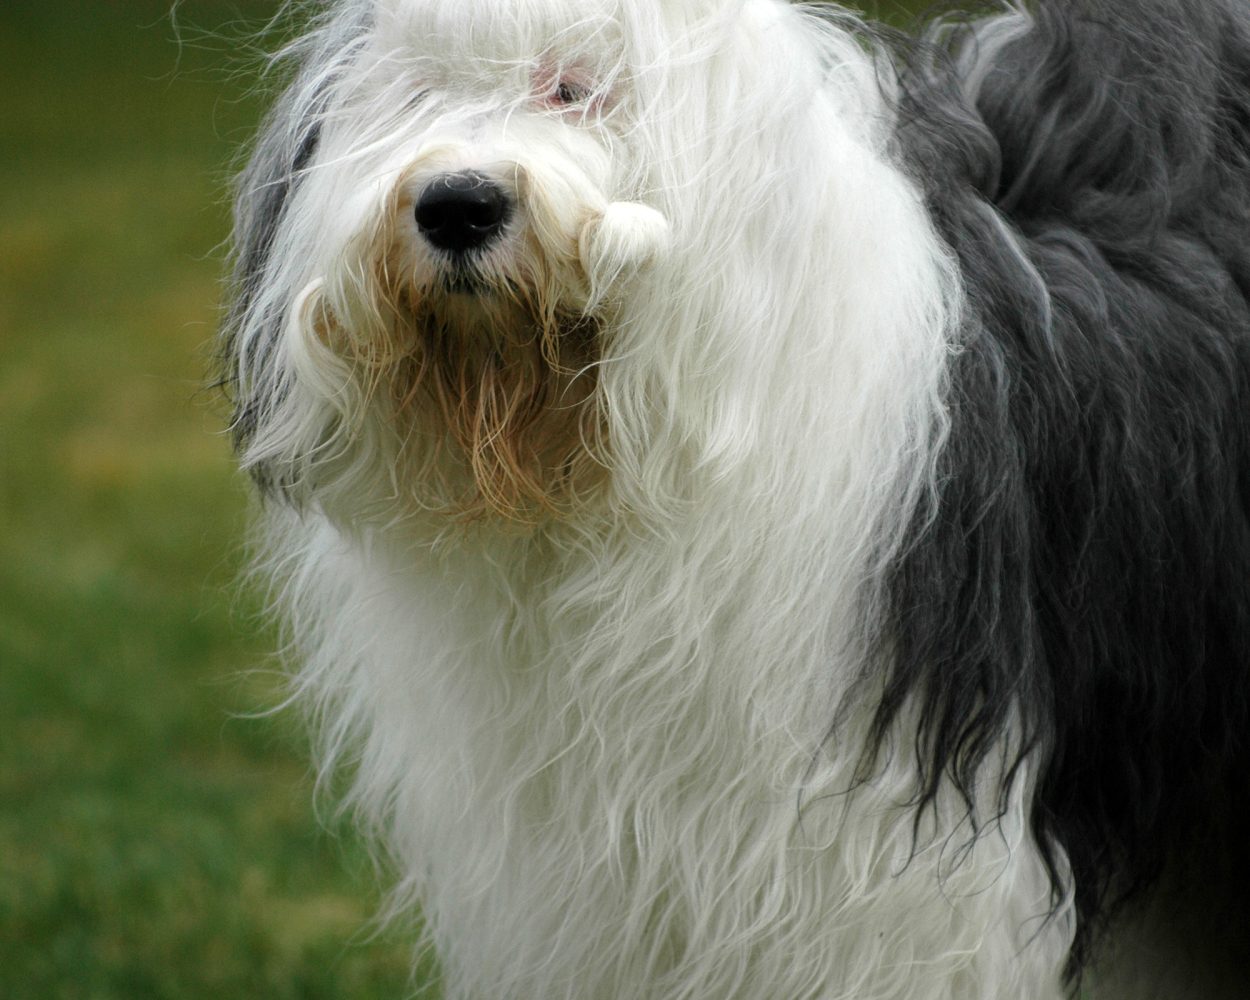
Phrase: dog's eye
pixel 565 89
pixel 568 93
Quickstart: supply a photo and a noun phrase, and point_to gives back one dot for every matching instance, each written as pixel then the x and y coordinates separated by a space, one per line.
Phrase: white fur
pixel 595 744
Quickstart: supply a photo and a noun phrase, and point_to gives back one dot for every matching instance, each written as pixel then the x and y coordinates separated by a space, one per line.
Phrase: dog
pixel 761 505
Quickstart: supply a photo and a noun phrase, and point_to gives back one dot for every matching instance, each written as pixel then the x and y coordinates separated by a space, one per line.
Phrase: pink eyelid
pixel 569 90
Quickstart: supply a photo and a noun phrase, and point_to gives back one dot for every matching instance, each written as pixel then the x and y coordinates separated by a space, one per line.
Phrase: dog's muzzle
pixel 462 212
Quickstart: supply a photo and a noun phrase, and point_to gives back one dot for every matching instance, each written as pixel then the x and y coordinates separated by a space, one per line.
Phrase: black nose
pixel 460 212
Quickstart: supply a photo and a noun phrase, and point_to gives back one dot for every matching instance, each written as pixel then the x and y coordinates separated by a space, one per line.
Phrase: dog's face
pixel 496 254
pixel 460 211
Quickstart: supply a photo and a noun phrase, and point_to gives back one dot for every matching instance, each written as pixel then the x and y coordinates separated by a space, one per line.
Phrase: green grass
pixel 153 841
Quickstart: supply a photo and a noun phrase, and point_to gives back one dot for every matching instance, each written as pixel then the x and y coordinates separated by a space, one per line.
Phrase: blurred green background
pixel 157 839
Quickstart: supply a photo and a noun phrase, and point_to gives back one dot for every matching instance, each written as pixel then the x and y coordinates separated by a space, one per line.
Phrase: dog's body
pixel 761 518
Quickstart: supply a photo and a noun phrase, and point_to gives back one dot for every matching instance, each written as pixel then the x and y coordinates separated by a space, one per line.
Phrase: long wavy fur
pixel 808 555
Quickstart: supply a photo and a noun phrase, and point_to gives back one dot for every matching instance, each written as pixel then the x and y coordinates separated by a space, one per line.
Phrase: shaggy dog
pixel 762 508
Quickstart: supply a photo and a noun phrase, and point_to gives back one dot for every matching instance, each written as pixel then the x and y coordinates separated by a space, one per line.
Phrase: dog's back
pixel 1089 164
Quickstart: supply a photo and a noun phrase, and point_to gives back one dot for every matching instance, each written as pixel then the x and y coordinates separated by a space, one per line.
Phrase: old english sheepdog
pixel 761 505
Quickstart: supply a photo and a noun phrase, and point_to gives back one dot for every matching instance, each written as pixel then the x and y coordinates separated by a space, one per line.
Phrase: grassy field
pixel 155 842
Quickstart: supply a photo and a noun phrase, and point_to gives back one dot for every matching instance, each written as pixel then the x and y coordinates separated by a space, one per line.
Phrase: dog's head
pixel 441 216
pixel 493 254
